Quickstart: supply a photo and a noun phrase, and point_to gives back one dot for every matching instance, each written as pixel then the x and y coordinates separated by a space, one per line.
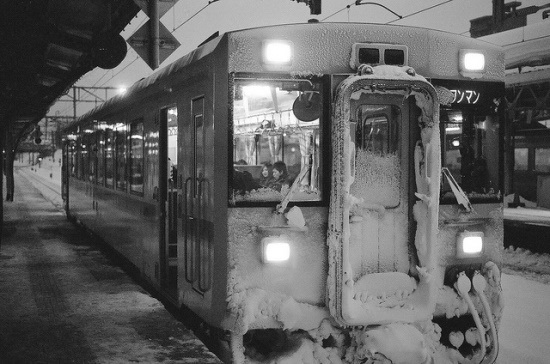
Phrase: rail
pixel 49 188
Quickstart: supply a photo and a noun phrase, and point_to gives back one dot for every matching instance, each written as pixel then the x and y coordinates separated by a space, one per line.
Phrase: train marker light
pixel 277 53
pixel 275 249
pixel 470 244
pixel 471 63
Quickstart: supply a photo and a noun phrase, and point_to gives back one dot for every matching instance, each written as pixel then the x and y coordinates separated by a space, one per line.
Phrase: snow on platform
pixel 534 216
pixel 62 300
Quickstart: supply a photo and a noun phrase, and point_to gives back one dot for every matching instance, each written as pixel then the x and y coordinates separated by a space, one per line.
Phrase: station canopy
pixel 46 46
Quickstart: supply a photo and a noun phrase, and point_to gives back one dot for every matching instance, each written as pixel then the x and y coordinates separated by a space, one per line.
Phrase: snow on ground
pixel 521 262
pixel 524 332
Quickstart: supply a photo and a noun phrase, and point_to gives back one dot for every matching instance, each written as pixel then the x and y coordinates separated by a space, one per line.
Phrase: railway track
pixel 50 189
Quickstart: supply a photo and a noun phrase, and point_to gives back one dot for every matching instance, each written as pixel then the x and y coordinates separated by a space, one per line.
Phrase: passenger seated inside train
pixel 243 182
pixel 280 177
pixel 266 176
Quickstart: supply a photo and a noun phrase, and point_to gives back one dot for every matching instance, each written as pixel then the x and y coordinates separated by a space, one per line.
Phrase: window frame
pixel 323 134
pixel 130 162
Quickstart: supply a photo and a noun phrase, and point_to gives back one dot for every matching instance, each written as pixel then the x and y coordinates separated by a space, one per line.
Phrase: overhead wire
pixel 197 13
pixel 399 17
pixel 420 11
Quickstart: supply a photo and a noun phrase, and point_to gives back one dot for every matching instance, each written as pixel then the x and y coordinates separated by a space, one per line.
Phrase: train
pixel 528 112
pixel 316 193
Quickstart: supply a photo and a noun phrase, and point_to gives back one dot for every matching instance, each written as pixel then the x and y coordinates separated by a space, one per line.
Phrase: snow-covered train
pixel 316 193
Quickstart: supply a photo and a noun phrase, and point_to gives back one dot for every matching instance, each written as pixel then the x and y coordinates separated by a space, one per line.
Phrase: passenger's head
pixel 279 170
pixel 266 169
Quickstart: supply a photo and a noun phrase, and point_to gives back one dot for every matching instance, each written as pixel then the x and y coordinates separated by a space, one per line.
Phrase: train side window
pixel 71 158
pixel 520 159
pixel 79 159
pixel 542 160
pixel 136 161
pixel 120 141
pixel 109 157
pixel 90 157
pixel 100 156
pixel 277 128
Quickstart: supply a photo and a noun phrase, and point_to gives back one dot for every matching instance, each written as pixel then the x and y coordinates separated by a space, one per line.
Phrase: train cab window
pixel 136 158
pixel 521 157
pixel 470 150
pixel 542 160
pixel 277 128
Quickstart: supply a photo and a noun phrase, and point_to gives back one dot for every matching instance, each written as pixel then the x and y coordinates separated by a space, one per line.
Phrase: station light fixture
pixel 471 63
pixel 470 244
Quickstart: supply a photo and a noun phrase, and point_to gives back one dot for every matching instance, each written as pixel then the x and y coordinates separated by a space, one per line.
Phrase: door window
pixel 377 165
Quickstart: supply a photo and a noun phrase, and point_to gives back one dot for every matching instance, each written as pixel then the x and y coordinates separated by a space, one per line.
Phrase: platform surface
pixel 62 300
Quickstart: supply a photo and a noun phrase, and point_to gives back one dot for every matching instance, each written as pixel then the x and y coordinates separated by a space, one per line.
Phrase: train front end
pixel 375 246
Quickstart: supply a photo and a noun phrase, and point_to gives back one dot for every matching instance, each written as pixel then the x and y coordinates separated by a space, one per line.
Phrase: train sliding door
pixel 197 189
pixel 196 171
pixel 168 196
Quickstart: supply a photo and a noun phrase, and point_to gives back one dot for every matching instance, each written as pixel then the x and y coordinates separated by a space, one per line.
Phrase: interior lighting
pixel 470 244
pixel 452 128
pixel 275 249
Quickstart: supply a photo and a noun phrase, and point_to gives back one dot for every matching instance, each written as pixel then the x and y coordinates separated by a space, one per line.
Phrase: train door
pixel 198 226
pixel 370 215
pixel 168 195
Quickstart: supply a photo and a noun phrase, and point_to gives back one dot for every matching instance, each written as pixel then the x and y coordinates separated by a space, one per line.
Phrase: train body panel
pixel 330 48
pixel 301 195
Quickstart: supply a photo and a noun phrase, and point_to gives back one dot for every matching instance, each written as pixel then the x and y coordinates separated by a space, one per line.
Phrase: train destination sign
pixel 469 97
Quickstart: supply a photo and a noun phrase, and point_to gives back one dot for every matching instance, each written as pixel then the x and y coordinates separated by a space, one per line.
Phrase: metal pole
pixel 74 102
pixel 154 21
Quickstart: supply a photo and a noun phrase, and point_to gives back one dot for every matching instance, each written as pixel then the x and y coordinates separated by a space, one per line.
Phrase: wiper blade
pixel 461 197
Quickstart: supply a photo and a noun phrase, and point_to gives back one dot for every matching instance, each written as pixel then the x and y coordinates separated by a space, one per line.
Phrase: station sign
pixel 140 41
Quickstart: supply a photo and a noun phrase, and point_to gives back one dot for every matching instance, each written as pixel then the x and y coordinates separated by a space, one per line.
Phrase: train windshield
pixel 276 141
pixel 471 153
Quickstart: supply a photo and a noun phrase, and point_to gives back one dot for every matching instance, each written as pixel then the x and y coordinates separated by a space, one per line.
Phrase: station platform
pixel 526 226
pixel 62 300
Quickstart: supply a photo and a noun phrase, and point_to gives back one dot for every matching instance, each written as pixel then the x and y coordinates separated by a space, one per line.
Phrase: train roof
pixel 307 33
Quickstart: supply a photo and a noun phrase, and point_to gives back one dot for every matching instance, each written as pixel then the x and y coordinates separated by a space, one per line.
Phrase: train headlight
pixel 471 63
pixel 275 249
pixel 470 244
pixel 277 54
